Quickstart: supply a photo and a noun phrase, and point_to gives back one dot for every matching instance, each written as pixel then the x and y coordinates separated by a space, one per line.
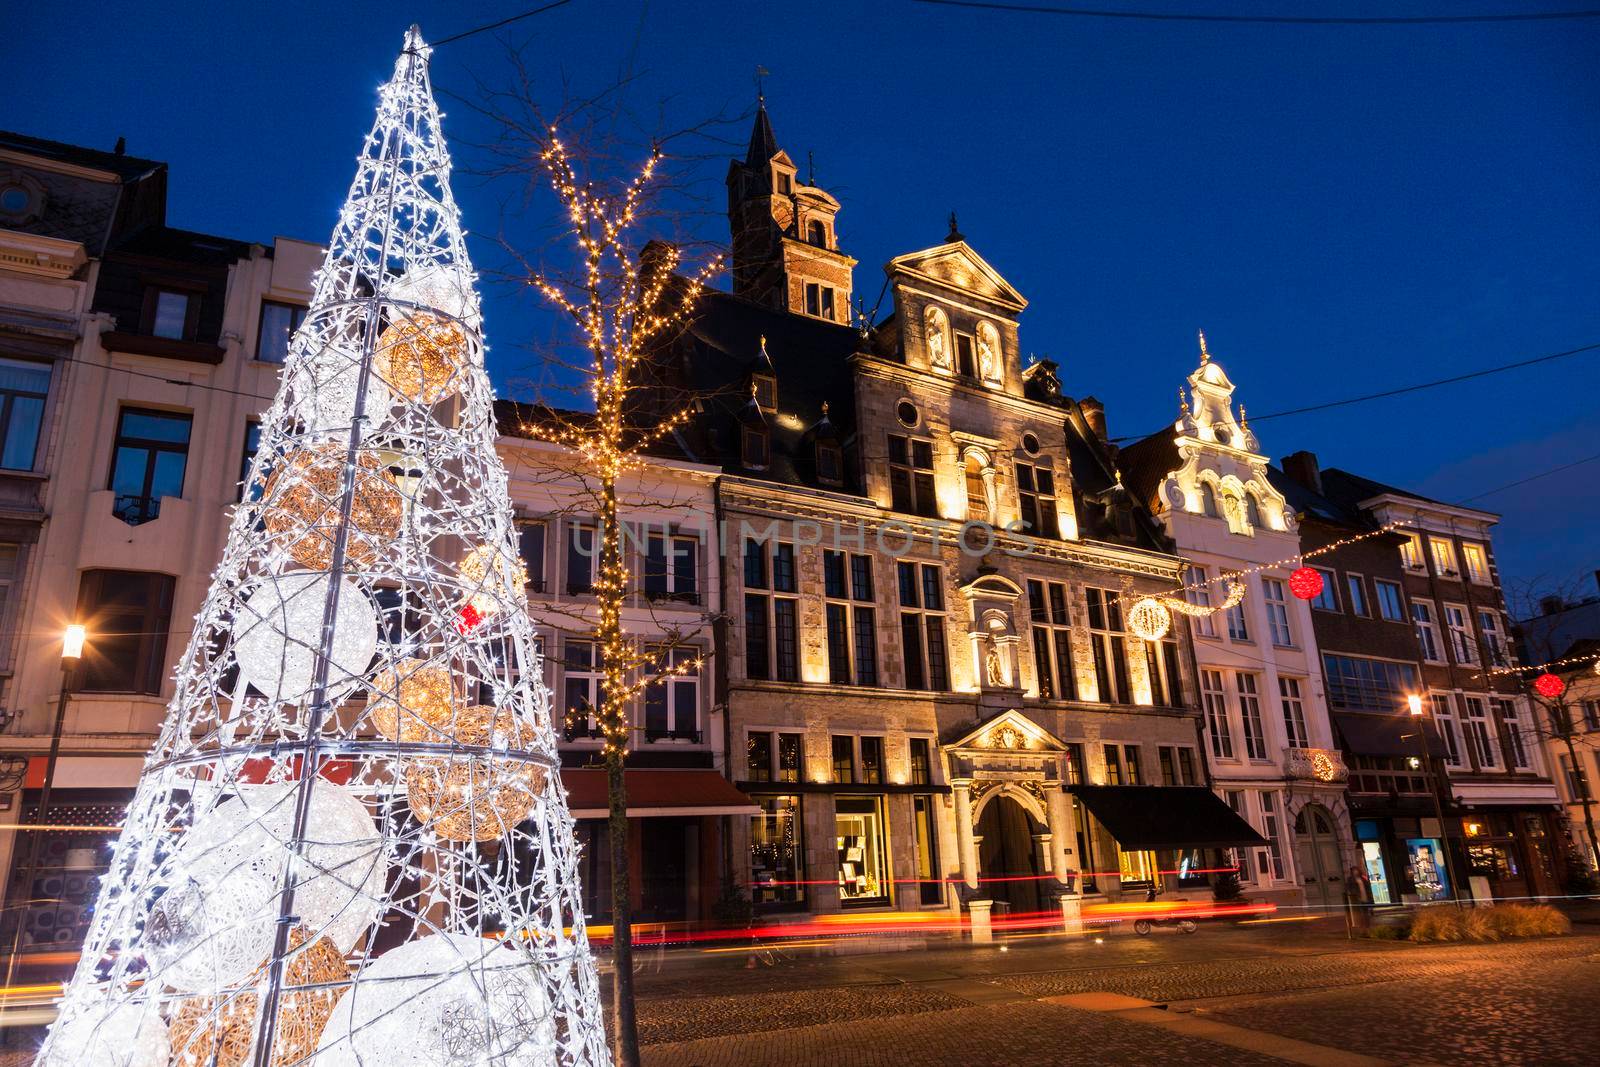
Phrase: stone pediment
pixel 1010 731
pixel 957 266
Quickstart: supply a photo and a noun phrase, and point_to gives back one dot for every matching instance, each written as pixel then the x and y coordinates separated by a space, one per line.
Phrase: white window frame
pixel 1214 697
pixel 1198 593
pixel 1411 556
pixel 1290 697
pixel 1276 598
pixel 593 675
pixel 1426 624
pixel 1463 644
pixel 1272 812
pixel 1355 586
pixel 1247 688
pixel 1444 717
pixel 1480 733
pixel 1443 553
pixel 1523 753
pixel 1495 645
pixel 1379 585
pixel 1475 558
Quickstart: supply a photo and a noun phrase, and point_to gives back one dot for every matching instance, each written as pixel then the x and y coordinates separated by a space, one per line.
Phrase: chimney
pixel 1302 467
pixel 1094 413
pixel 1549 605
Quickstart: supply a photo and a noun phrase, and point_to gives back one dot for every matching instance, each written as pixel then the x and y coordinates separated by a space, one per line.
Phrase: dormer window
pixel 785 183
pixel 966 358
pixel 764 389
pixel 819 301
pixel 816 234
pixel 756 448
pixel 1208 502
pixel 171 313
pixel 830 464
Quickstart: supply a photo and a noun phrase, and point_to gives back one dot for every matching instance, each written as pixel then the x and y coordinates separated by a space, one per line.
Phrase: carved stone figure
pixel 938 339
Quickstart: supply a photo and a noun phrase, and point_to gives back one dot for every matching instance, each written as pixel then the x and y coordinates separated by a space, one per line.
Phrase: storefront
pixel 1165 838
pixel 1511 854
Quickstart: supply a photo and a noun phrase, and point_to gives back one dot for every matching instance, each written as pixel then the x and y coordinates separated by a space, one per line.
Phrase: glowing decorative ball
pixel 214 925
pixel 213 1030
pixel 446 999
pixel 421 356
pixel 1306 583
pixel 412 700
pixel 477 798
pixel 1323 767
pixel 1549 686
pixel 107 1033
pixel 429 287
pixel 325 384
pixel 302 506
pixel 467 618
pixel 491 578
pixel 1149 619
pixel 276 630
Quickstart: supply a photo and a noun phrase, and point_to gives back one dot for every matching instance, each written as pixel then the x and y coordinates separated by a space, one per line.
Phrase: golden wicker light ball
pixel 205 1029
pixel 490 577
pixel 466 798
pixel 421 356
pixel 303 496
pixel 1148 619
pixel 412 701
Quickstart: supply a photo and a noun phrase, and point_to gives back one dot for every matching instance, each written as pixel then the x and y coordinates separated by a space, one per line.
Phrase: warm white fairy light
pixel 262 778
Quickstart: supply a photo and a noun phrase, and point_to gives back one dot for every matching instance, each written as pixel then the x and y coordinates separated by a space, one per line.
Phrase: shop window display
pixel 863 862
pixel 775 852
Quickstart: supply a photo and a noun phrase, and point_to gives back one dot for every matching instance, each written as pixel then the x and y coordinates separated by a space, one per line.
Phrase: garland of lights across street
pixel 350 845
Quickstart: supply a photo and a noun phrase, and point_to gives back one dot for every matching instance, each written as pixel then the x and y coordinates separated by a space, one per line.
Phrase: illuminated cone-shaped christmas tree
pixel 350 845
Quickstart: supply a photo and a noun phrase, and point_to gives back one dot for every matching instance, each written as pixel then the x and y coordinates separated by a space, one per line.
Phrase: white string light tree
pixel 350 845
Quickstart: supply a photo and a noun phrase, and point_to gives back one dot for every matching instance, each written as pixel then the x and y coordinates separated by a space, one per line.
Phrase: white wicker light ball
pixel 325 387
pixel 430 286
pixel 107 1034
pixel 212 929
pixel 491 578
pixel 446 999
pixel 1149 619
pixel 276 631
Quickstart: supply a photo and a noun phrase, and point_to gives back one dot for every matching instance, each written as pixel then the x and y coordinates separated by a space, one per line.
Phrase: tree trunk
pixel 624 1027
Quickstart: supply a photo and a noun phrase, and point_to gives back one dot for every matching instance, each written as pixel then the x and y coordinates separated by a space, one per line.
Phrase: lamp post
pixel 72 641
pixel 1414 706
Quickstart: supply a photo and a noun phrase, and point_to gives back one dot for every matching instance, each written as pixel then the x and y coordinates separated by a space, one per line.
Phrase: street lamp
pixel 1414 706
pixel 72 642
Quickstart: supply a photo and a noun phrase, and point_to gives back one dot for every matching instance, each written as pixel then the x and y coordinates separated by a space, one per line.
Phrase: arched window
pixel 1208 501
pixel 936 332
pixel 1252 506
pixel 977 495
pixel 816 234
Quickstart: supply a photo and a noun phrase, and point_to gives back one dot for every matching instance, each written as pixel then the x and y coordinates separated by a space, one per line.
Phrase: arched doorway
pixel 1321 868
pixel 1008 856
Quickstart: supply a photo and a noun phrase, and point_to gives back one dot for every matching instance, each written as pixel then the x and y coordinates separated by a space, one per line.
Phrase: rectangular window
pixel 1462 646
pixel 148 462
pixel 1481 739
pixel 23 388
pixel 1036 495
pixel 1255 739
pixel 1328 598
pixel 1240 856
pixel 9 556
pixel 1109 646
pixel 1271 830
pixel 1427 631
pixel 1477 561
pixel 1277 612
pixel 922 632
pixel 1131 764
pixel 1518 738
pixel 966 366
pixel 1136 868
pixel 772 639
pixel 581 551
pixel 1238 628
pixel 1052 640
pixel 911 476
pixel 1390 604
pixel 672 568
pixel 787 643
pixel 1169 765
pixel 1494 638
pixel 530 546
pixel 1161 668
pixel 1186 767
pixel 852 627
pixel 672 697
pixel 1445 719
pixel 1356 589
pixel 279 321
pixel 777 852
pixel 790 758
pixel 1198 593
pixel 872 760
pixel 1294 713
pixel 921 762
pixel 1113 756
pixel 170 314
pixel 757 637
pixel 1356 683
pixel 930 884
pixel 128 613
pixel 1215 699
pixel 1591 714
pixel 758 757
pixel 1411 553
pixel 252 445
pixel 582 670
pixel 755 564
pixel 863 855
pixel 1444 557
pixel 844 758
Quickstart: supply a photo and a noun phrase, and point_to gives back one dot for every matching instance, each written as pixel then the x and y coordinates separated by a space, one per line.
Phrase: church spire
pixel 1205 356
pixel 763 143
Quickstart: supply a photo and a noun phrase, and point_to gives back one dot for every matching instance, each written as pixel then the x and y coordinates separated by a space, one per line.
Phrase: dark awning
pixel 656 792
pixel 1146 816
pixel 1376 734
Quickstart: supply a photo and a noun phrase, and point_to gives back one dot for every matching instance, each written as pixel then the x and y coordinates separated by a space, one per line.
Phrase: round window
pixel 1030 444
pixel 907 413
pixel 14 200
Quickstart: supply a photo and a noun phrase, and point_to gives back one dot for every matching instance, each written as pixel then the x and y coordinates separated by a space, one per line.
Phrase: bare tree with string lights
pixel 350 838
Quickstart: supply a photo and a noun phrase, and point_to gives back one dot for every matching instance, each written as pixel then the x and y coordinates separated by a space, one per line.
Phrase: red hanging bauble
pixel 1549 686
pixel 467 618
pixel 1306 583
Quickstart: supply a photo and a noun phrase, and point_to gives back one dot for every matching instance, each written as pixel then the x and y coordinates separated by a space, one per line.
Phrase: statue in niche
pixel 988 352
pixel 993 667
pixel 938 339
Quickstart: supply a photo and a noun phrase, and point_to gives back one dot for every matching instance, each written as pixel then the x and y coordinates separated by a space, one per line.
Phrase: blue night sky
pixel 1342 209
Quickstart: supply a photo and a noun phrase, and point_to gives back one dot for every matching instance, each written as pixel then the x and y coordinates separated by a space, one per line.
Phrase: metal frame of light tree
pixel 351 835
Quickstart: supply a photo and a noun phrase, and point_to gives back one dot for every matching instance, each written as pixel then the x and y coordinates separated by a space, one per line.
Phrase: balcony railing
pixel 136 510
pixel 1315 764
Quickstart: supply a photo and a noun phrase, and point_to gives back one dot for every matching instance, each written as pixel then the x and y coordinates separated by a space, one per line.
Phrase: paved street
pixel 1240 996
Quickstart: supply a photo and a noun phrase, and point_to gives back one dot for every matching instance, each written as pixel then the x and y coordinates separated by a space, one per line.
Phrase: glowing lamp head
pixel 1414 704
pixel 1306 583
pixel 72 641
pixel 1549 686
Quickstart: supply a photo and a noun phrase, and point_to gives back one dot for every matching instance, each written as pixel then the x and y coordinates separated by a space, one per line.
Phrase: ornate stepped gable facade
pixel 912 709
pixel 1269 741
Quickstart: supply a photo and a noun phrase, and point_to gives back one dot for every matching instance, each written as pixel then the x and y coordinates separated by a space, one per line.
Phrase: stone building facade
pixel 1270 742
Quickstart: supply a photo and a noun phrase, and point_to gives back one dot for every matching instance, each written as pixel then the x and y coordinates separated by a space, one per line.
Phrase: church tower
pixel 785 245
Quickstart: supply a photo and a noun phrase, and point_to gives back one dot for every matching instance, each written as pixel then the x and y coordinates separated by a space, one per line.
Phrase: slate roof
pixel 123 166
